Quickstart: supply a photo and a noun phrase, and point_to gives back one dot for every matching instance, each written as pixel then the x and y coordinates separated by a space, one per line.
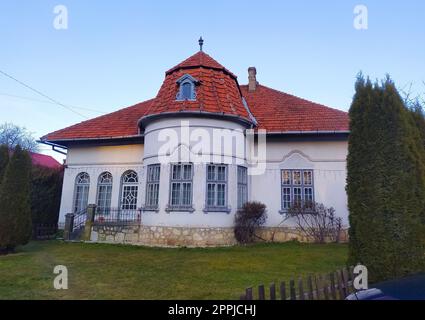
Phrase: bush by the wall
pixel 247 219
pixel 317 222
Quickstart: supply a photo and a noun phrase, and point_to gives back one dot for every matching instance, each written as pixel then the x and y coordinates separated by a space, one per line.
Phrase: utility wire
pixel 45 101
pixel 42 94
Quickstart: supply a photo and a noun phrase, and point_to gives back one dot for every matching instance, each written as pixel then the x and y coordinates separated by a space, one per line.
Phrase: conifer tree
pixel 4 159
pixel 385 193
pixel 15 212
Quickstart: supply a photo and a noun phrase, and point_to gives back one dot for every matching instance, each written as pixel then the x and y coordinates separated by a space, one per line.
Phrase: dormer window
pixel 187 88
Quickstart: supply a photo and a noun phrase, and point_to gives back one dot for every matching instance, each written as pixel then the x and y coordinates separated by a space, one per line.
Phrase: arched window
pixel 104 193
pixel 187 90
pixel 129 190
pixel 81 192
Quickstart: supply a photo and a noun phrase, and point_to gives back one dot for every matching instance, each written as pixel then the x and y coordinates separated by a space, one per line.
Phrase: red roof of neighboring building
pixel 43 160
pixel 219 93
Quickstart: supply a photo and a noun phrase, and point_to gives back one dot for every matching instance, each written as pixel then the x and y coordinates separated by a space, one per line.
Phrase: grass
pixel 101 271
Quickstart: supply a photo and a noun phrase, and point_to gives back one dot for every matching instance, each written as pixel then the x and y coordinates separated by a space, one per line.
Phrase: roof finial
pixel 201 43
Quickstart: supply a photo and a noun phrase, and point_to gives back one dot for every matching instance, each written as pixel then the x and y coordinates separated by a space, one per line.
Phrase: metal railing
pixel 117 216
pixel 79 219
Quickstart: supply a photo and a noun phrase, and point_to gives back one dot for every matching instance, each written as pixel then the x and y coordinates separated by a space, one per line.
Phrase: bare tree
pixel 316 222
pixel 12 135
pixel 411 100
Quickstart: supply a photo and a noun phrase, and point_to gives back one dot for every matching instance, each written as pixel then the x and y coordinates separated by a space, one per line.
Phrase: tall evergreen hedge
pixel 46 190
pixel 15 212
pixel 385 183
pixel 4 160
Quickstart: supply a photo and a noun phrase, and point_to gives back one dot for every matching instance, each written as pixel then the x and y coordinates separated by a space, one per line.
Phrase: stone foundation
pixel 116 234
pixel 189 237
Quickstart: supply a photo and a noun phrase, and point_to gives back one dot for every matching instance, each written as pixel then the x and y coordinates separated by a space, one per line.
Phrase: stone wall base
pixel 189 237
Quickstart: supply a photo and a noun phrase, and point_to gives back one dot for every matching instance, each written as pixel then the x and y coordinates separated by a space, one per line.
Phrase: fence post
pixel 248 294
pixel 272 291
pixel 261 293
pixel 91 209
pixel 282 290
pixel 69 225
pixel 292 291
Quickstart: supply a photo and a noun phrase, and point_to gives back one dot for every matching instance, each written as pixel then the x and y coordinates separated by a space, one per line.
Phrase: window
pixel 297 188
pixel 81 193
pixel 152 186
pixel 242 186
pixel 129 190
pixel 181 185
pixel 216 196
pixel 186 88
pixel 104 193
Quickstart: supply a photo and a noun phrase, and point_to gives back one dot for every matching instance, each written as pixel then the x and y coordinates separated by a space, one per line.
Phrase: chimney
pixel 252 77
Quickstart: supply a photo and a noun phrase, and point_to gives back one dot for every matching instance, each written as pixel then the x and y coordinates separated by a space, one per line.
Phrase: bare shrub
pixel 316 222
pixel 247 219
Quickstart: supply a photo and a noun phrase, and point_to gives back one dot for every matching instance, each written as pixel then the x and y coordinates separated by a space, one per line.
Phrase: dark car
pixel 409 288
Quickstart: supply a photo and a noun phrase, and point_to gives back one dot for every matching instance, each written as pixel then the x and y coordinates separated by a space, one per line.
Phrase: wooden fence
pixel 333 286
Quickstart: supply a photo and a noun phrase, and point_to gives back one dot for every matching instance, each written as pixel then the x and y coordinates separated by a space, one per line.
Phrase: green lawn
pixel 128 272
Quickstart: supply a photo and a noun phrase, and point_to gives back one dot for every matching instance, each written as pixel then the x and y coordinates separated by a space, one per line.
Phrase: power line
pixel 45 101
pixel 42 94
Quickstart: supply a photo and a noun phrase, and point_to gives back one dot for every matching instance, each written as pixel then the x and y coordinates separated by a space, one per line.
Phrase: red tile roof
pixel 121 123
pixel 43 160
pixel 277 111
pixel 200 59
pixel 218 92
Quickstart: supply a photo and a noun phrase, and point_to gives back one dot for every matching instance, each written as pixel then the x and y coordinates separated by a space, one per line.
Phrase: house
pixel 45 161
pixel 186 160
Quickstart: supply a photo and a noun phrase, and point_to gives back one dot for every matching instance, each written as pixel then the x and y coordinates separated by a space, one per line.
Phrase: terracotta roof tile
pixel 277 111
pixel 121 123
pixel 218 92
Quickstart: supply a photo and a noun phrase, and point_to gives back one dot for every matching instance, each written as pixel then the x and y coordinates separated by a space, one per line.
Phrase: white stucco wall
pixel 185 153
pixel 95 161
pixel 327 159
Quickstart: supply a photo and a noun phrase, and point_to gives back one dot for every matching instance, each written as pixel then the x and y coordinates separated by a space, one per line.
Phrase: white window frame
pixel 296 185
pixel 152 186
pixel 104 193
pixel 242 180
pixel 181 181
pixel 81 192
pixel 132 187
pixel 215 182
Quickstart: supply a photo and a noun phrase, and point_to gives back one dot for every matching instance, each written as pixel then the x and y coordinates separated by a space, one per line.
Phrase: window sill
pixel 217 209
pixel 150 209
pixel 179 209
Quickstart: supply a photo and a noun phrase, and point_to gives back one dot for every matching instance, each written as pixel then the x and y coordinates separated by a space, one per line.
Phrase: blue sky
pixel 115 53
